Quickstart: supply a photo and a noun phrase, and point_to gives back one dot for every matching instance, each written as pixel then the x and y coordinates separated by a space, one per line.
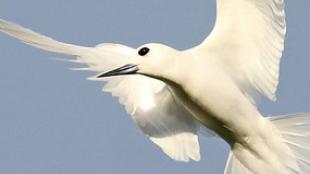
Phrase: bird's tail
pixel 295 131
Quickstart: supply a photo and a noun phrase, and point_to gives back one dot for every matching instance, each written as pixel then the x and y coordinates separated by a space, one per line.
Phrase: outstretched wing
pixel 100 58
pixel 158 114
pixel 248 38
pixel 148 100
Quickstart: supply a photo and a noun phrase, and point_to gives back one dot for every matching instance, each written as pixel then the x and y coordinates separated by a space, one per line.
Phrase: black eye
pixel 143 51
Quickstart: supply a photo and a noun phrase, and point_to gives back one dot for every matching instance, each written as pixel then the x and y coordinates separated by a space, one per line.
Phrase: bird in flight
pixel 173 94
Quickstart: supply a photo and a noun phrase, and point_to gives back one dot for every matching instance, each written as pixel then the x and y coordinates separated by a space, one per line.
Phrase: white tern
pixel 172 94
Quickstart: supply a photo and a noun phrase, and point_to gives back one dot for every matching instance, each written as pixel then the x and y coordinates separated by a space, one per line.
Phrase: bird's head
pixel 154 60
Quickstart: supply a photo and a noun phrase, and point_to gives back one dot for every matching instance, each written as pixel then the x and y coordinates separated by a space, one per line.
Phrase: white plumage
pixel 173 94
pixel 249 38
pixel 147 100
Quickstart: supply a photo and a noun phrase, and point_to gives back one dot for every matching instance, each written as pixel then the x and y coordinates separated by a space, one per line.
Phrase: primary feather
pixel 148 100
pixel 248 38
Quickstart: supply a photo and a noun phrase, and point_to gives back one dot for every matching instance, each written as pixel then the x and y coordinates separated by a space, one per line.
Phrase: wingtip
pixel 3 23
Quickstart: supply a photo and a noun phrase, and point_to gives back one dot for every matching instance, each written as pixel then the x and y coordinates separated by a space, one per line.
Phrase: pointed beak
pixel 124 70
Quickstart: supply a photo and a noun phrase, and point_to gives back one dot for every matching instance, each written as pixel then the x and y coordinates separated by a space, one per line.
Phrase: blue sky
pixel 53 121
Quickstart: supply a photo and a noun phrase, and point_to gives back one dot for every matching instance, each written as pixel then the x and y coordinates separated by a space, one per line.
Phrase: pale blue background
pixel 53 121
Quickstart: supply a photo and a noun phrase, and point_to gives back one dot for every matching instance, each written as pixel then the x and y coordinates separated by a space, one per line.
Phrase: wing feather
pixel 159 115
pixel 248 38
pixel 148 100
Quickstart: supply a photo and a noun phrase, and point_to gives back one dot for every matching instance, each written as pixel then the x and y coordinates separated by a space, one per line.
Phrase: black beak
pixel 124 70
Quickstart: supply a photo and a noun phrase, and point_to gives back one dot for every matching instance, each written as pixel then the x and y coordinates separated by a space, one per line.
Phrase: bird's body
pixel 220 105
pixel 171 94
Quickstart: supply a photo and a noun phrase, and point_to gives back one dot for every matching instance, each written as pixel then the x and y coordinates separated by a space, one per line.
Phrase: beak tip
pixel 128 69
pixel 99 76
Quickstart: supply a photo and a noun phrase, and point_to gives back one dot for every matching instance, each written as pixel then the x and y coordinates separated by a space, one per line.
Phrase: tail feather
pixel 295 132
pixel 234 166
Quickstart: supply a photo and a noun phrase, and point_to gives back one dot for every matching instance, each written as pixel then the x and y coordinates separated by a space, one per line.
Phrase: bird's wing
pixel 100 58
pixel 148 100
pixel 248 38
pixel 158 114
